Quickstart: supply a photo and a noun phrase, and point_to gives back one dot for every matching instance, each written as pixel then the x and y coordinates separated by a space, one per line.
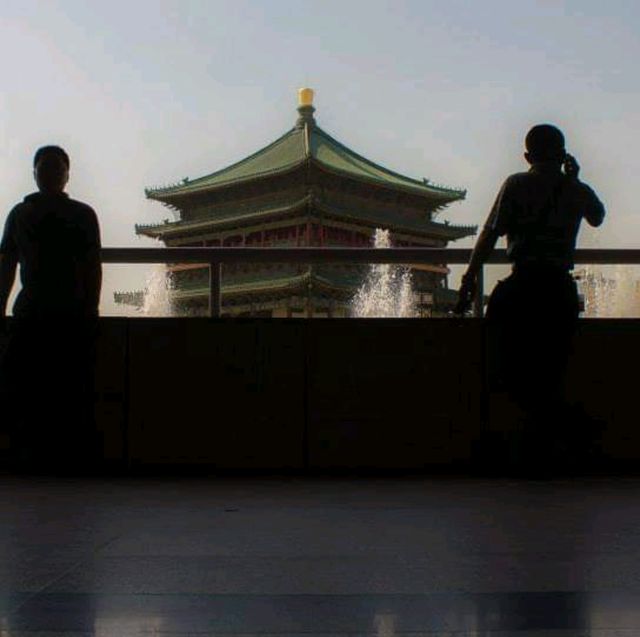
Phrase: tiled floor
pixel 294 556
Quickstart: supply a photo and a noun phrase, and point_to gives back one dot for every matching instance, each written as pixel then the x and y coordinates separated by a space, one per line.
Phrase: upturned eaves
pixel 308 143
pixel 368 217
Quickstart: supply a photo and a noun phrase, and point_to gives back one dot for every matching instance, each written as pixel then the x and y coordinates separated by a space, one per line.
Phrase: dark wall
pixel 331 393
pixel 296 393
pixel 603 377
pixel 393 393
pixel 227 392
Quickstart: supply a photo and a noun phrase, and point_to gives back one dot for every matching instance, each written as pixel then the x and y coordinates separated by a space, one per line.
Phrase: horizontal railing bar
pixel 340 255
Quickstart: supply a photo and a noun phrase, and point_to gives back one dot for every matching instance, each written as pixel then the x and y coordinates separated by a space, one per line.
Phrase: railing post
pixel 215 300
pixel 478 301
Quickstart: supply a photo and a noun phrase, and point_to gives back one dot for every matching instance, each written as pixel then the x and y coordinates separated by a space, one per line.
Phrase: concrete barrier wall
pixel 390 393
pixel 230 393
pixel 331 393
pixel 603 377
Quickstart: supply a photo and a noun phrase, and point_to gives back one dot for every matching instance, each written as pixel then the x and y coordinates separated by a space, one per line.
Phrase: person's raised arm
pixel 493 228
pixel 592 208
pixel 8 266
pixel 8 262
pixel 483 248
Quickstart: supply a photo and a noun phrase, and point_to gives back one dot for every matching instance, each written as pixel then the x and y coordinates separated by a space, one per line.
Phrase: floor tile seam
pixel 450 501
pixel 284 559
pixel 425 559
pixel 551 632
pixel 571 552
pixel 363 633
pixel 32 550
pixel 206 508
pixel 266 593
pixel 419 514
pixel 306 555
pixel 56 579
pixel 501 633
pixel 348 515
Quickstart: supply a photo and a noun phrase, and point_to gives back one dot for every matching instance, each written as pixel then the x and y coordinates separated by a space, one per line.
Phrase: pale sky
pixel 145 93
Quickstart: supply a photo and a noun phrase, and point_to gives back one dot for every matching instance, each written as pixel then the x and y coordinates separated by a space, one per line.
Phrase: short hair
pixel 50 150
pixel 545 141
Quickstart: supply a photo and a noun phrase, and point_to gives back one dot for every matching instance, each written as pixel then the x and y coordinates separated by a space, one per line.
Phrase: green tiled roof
pixel 269 283
pixel 233 215
pixel 378 218
pixel 301 144
pixel 343 282
pixel 285 153
pixel 328 277
pixel 333 155
pixel 372 217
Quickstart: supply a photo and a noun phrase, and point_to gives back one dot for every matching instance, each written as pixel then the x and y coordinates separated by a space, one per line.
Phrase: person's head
pixel 51 169
pixel 544 142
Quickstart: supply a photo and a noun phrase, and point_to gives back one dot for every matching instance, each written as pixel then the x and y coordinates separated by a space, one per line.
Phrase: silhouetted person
pixel 48 365
pixel 533 313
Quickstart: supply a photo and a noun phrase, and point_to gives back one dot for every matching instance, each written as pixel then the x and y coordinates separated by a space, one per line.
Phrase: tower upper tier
pixel 306 143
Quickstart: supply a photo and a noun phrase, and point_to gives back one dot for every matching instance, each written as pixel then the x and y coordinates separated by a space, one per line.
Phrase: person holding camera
pixel 532 314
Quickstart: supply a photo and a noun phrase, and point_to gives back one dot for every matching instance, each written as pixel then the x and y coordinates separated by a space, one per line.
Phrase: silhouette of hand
pixel 465 295
pixel 571 167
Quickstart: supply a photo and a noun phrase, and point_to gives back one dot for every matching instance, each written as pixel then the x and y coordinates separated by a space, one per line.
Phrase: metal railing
pixel 215 257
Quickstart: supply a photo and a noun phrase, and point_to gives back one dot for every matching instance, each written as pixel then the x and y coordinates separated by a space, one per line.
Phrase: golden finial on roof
pixel 305 108
pixel 305 97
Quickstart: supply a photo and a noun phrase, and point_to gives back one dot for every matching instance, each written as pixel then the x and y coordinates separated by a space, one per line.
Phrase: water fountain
pixel 386 291
pixel 610 291
pixel 157 293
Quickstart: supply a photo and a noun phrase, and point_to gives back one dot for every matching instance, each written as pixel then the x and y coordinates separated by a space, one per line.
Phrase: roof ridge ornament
pixel 305 108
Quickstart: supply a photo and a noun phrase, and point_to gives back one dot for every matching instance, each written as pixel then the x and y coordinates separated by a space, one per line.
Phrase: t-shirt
pixel 54 238
pixel 540 212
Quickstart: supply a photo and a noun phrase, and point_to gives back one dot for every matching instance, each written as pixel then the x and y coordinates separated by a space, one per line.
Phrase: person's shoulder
pixel 80 206
pixel 82 209
pixel 580 189
pixel 17 208
pixel 514 180
pixel 582 185
pixel 85 218
pixel 518 177
pixel 27 203
pixel 18 213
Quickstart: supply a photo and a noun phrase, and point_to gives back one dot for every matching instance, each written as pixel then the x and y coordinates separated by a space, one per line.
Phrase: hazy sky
pixel 145 93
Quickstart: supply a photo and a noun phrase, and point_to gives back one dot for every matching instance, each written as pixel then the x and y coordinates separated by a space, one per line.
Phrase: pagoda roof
pixel 329 278
pixel 270 282
pixel 344 284
pixel 340 282
pixel 306 142
pixel 371 217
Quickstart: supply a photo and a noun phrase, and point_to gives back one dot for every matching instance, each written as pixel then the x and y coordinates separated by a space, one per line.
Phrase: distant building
pixel 304 189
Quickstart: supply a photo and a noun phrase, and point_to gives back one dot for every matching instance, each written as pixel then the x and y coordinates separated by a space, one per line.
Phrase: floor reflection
pixel 484 615
pixel 377 558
